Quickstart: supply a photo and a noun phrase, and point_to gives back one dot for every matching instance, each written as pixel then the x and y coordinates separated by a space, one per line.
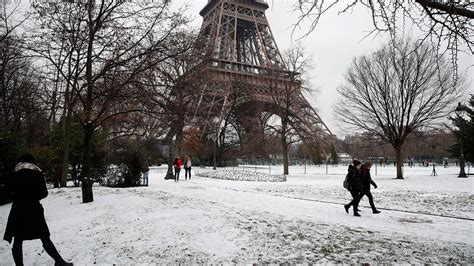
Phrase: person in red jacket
pixel 26 219
pixel 177 168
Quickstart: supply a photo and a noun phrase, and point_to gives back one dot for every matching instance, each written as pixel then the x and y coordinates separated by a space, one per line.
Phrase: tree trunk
pixel 284 125
pixel 179 123
pixel 87 128
pixel 285 158
pixel 398 154
pixel 65 159
pixel 57 176
pixel 87 195
pixel 179 137
pixel 67 144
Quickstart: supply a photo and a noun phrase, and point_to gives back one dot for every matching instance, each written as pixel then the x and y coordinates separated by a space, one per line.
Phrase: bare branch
pixel 451 8
pixel 447 24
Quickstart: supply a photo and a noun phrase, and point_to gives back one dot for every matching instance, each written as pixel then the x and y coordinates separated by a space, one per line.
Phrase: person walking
pixel 26 220
pixel 146 171
pixel 366 181
pixel 353 178
pixel 177 168
pixel 187 168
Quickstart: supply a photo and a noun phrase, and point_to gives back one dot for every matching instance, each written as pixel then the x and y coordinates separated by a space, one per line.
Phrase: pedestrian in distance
pixel 26 220
pixel 354 186
pixel 366 181
pixel 146 171
pixel 187 168
pixel 177 168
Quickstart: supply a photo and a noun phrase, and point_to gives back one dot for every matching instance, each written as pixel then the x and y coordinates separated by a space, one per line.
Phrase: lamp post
pixel 169 173
pixel 214 159
pixel 460 112
pixel 217 128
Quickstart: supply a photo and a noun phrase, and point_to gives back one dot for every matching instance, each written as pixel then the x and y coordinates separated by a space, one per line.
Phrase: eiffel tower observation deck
pixel 247 76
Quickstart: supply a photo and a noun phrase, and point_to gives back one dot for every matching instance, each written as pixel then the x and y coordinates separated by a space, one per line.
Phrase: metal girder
pixel 243 60
pixel 237 31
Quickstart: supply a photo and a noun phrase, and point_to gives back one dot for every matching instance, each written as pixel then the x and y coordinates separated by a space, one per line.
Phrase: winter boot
pixel 376 211
pixel 346 207
pixel 356 213
pixel 62 263
pixel 53 252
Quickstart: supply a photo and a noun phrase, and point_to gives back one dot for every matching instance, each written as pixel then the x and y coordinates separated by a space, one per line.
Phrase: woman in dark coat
pixel 354 186
pixel 26 220
pixel 366 181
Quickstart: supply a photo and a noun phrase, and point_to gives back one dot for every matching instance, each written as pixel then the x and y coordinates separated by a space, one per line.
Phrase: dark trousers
pixel 176 173
pixel 356 196
pixel 371 199
pixel 17 250
pixel 186 172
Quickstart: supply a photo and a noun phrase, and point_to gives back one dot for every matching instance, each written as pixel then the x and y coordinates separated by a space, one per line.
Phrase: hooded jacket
pixel 26 219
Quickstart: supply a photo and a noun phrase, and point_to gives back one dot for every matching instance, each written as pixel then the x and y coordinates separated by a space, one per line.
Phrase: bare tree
pixel 399 89
pixel 180 78
pixel 118 41
pixel 59 46
pixel 448 24
pixel 172 87
pixel 285 89
pixel 10 19
pixel 20 89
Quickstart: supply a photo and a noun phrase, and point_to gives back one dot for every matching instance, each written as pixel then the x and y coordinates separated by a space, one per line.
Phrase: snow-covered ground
pixel 424 219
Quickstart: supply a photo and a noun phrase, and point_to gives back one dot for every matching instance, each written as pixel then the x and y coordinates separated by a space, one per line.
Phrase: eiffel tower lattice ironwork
pixel 245 70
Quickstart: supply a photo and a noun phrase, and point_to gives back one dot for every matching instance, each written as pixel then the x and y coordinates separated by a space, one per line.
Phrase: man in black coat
pixel 26 220
pixel 353 178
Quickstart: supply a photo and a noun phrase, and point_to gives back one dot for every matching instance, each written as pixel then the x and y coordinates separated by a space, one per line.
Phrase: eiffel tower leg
pixel 253 139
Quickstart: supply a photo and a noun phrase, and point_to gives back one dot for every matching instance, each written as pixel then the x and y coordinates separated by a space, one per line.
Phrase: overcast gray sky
pixel 335 42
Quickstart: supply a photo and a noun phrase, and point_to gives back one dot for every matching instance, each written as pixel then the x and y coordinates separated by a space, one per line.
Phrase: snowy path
pixel 447 229
pixel 339 204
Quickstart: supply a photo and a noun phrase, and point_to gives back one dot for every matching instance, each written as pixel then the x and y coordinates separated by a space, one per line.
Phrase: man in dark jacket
pixel 26 220
pixel 353 177
pixel 366 181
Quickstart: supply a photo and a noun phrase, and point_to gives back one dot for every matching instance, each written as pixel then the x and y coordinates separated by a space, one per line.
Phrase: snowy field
pixel 424 219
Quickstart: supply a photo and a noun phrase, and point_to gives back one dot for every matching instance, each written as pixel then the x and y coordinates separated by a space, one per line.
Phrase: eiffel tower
pixel 246 73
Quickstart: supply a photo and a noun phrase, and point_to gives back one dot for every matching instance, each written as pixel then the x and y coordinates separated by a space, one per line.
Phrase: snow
pixel 424 219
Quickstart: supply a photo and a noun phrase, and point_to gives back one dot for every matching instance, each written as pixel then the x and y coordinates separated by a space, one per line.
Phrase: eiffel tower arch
pixel 247 75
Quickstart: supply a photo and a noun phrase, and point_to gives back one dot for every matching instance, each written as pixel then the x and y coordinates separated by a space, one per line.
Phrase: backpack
pixel 349 177
pixel 187 164
pixel 345 183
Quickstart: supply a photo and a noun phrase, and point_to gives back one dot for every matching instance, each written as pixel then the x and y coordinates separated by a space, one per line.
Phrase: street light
pixel 216 136
pixel 460 112
pixel 169 173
